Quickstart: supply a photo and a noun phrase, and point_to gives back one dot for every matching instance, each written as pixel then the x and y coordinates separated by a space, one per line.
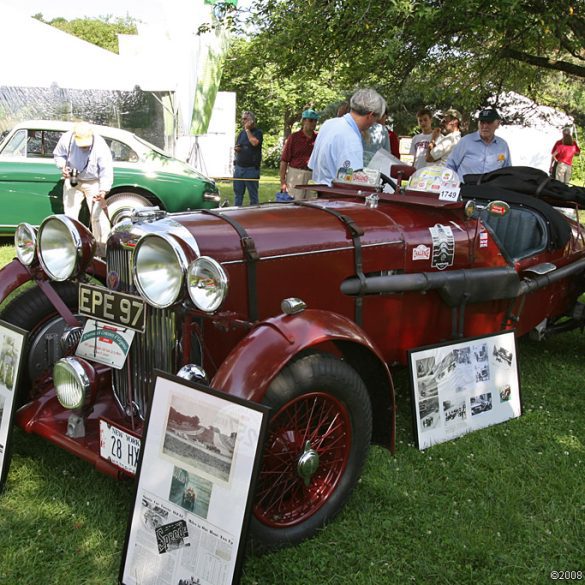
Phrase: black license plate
pixel 110 306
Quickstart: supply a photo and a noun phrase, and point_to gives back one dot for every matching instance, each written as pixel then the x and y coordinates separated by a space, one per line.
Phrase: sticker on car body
pixel 443 246
pixel 421 252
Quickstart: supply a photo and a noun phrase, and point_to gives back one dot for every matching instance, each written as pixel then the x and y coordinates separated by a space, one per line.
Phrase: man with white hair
pixel 482 151
pixel 339 147
pixel 86 165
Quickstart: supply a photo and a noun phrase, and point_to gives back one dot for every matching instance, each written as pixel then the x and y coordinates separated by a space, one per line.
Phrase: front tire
pixel 318 439
pixel 33 312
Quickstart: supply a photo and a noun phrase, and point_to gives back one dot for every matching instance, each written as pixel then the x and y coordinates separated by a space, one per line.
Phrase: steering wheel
pixel 386 180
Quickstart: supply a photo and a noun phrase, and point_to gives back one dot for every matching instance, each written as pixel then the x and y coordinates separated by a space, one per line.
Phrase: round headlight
pixel 25 241
pixel 72 379
pixel 207 283
pixel 160 264
pixel 64 245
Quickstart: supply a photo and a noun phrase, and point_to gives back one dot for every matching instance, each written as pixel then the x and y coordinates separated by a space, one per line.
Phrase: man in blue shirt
pixel 339 149
pixel 248 151
pixel 482 151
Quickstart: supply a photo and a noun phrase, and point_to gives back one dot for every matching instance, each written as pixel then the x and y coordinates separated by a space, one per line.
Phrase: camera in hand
pixel 73 180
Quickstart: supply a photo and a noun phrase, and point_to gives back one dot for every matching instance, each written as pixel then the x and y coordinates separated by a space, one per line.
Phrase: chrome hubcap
pixel 308 463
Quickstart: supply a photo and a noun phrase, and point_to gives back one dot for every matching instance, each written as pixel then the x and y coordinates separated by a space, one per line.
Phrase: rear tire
pixel 318 439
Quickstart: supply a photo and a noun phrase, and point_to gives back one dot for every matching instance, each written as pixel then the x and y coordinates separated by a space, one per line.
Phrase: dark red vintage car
pixel 301 306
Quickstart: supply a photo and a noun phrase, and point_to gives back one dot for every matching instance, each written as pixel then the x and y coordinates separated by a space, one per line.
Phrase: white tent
pixel 35 54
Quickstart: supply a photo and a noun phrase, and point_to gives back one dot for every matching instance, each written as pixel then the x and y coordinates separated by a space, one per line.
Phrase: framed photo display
pixel 12 341
pixel 460 387
pixel 199 462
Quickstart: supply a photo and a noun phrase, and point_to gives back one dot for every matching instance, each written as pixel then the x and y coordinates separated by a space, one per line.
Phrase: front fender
pixel 15 274
pixel 258 358
pixel 12 276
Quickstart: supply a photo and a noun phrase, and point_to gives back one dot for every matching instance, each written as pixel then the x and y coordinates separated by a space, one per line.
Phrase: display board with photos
pixel 460 387
pixel 12 341
pixel 199 462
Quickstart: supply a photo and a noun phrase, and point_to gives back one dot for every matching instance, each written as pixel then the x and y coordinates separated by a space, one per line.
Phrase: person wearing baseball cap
pixel 562 156
pixel 444 139
pixel 85 161
pixel 482 151
pixel 297 150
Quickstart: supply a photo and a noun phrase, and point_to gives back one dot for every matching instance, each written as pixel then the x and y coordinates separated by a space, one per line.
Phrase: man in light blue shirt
pixel 482 151
pixel 339 149
pixel 86 165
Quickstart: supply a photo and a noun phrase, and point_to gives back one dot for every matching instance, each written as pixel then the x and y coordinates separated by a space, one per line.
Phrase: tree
pixel 443 52
pixel 278 101
pixel 102 32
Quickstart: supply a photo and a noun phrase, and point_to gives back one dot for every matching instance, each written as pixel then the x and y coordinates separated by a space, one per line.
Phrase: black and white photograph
pixel 428 387
pixel 463 355
pixel 425 367
pixel 152 514
pixel 191 492
pixel 9 353
pixel 454 411
pixel 502 355
pixel 201 437
pixel 462 387
pixel 480 352
pixel 481 403
pixel 429 413
pixel 12 341
pixel 482 372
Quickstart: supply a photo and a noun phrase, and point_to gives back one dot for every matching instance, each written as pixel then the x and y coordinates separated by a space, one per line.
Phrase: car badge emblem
pixel 113 280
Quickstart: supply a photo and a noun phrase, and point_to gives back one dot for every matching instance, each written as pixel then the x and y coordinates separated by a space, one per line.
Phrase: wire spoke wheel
pixel 306 454
pixel 318 438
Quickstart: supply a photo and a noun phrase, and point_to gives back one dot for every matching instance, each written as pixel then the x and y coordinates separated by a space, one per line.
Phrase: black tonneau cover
pixel 527 187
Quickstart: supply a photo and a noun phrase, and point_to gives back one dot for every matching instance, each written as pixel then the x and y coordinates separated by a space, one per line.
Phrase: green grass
pixel 269 186
pixel 503 505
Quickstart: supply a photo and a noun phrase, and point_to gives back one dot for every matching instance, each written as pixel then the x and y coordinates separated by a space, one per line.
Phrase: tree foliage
pixel 278 101
pixel 102 32
pixel 438 53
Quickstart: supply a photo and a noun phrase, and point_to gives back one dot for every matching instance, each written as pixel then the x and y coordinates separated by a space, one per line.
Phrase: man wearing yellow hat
pixel 86 164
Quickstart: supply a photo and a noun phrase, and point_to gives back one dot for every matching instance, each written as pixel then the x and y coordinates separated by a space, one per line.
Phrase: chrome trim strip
pixel 324 251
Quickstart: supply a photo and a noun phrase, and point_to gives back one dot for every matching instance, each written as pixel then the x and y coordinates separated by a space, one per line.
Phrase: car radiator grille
pixel 155 348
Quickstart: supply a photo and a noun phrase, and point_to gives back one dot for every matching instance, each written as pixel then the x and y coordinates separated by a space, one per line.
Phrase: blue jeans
pixel 240 186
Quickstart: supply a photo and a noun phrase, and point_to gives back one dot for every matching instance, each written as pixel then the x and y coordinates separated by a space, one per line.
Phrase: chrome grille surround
pixel 159 346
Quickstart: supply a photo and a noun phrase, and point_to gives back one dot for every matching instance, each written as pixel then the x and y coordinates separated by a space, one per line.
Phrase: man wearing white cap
pixel 86 164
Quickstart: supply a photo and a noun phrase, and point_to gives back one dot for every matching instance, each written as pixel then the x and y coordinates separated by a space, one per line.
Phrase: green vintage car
pixel 31 186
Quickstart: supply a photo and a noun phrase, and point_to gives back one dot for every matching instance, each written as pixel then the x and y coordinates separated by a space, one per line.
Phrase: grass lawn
pixel 504 505
pixel 269 187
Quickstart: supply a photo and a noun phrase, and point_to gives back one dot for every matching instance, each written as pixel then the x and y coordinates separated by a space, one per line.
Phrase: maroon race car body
pixel 364 276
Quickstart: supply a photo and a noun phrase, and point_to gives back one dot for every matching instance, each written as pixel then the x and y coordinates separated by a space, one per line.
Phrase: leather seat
pixel 520 233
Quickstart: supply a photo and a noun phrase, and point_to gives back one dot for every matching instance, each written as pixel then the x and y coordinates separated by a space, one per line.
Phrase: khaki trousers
pixel 73 198
pixel 298 177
